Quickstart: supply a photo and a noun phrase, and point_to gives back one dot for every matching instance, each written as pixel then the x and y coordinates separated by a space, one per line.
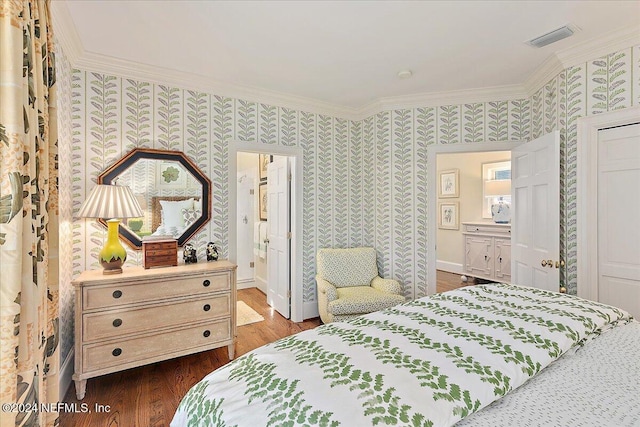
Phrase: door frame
pixel 432 229
pixel 295 156
pixel 587 194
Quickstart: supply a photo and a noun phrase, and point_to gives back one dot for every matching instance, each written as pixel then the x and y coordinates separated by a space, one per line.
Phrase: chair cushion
pixel 347 267
pixel 362 300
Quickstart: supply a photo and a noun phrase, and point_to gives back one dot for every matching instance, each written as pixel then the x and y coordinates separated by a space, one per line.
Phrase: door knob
pixel 547 263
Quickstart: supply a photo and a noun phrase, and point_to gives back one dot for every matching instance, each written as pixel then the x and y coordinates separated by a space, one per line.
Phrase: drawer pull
pixel 206 307
pixel 117 323
pixel 117 294
pixel 206 333
pixel 206 283
pixel 116 352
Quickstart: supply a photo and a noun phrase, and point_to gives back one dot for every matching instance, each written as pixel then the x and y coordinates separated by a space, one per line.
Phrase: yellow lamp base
pixel 113 254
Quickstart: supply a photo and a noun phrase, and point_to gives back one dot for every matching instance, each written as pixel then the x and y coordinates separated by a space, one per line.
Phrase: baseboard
pixel 261 284
pixel 65 375
pixel 310 310
pixel 246 284
pixel 451 267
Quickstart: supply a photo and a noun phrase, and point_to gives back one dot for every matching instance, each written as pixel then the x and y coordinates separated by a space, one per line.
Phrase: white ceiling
pixel 343 53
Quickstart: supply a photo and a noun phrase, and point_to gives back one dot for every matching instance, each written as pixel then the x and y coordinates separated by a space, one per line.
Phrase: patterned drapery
pixel 29 358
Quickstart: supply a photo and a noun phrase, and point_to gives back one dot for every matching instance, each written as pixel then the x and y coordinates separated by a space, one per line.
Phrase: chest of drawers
pixel 144 316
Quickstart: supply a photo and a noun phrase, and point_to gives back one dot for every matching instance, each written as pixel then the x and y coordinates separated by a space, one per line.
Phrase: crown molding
pixel 78 57
pixel 65 31
pixel 128 69
pixel 434 99
pixel 549 69
pixel 596 48
pixel 580 54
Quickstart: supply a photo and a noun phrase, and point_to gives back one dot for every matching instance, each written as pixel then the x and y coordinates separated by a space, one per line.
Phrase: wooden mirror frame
pixel 112 173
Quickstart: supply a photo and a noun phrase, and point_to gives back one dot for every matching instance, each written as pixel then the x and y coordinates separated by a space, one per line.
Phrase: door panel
pixel 618 213
pixel 279 249
pixel 535 195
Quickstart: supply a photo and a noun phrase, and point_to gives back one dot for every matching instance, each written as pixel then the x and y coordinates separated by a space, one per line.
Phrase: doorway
pixel 432 209
pixel 294 156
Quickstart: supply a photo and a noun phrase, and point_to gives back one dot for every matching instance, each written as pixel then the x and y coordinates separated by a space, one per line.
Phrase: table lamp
pixel 501 211
pixel 111 202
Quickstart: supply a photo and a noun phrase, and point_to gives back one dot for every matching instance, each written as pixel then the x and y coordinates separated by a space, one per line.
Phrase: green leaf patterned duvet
pixel 428 362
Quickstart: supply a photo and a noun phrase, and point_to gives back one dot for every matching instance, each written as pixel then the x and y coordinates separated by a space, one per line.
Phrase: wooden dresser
pixel 144 316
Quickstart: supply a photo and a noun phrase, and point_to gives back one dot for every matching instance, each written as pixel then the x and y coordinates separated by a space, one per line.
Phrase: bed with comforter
pixel 527 356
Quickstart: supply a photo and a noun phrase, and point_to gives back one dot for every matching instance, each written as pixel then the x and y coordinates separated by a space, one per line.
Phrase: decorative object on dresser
pixel 159 253
pixel 487 250
pixel 189 254
pixel 113 202
pixel 146 316
pixel 212 252
pixel 500 211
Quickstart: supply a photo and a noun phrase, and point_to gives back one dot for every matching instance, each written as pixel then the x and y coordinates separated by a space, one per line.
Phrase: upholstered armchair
pixel 349 284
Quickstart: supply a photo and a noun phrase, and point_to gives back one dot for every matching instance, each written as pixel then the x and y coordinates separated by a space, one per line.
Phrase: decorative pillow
pixel 172 212
pixel 190 216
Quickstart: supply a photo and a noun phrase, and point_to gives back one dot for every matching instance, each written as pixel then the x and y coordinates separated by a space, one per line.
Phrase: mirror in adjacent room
pixel 172 191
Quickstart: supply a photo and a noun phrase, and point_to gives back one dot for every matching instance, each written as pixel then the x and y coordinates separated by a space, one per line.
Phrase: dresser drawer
pixel 120 322
pixel 101 356
pixel 114 295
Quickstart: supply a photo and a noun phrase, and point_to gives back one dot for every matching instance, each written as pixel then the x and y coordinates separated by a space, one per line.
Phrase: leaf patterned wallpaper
pixel 365 181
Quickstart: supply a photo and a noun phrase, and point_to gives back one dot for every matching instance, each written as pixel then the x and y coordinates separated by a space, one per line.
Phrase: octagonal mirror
pixel 172 191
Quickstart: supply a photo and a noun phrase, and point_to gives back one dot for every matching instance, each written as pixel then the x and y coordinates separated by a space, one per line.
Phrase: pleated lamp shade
pixel 110 201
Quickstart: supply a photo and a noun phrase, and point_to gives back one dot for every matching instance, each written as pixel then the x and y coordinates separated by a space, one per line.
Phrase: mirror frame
pixel 111 174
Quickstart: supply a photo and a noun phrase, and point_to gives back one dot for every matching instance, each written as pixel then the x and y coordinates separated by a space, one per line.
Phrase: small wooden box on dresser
pixel 487 250
pixel 144 316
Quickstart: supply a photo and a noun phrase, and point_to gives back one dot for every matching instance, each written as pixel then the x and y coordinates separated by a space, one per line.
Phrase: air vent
pixel 551 37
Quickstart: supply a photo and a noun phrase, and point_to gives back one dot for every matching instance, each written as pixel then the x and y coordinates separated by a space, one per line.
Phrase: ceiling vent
pixel 551 37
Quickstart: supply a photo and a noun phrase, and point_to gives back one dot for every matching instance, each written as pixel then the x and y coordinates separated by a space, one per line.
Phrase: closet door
pixel 618 214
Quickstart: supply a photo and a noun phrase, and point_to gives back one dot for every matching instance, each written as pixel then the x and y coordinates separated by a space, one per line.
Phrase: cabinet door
pixel 503 260
pixel 479 256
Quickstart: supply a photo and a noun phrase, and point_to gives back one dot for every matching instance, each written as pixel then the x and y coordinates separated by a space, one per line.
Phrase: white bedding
pixel 428 362
pixel 598 385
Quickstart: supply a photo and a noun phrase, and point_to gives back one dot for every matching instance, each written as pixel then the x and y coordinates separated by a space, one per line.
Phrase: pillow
pixel 190 216
pixel 172 212
pixel 197 204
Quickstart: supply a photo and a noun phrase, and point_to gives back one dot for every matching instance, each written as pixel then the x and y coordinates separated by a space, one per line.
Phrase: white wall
pixel 449 242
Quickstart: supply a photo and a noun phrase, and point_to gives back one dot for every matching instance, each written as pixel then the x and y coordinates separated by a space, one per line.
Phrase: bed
pixel 489 355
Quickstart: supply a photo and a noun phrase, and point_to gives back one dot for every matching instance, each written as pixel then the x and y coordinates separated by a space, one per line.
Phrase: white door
pixel 278 248
pixel 535 198
pixel 618 217
pixel 244 227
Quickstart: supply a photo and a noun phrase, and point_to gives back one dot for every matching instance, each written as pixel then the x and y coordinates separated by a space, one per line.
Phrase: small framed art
pixel 449 183
pixel 262 202
pixel 448 214
pixel 263 161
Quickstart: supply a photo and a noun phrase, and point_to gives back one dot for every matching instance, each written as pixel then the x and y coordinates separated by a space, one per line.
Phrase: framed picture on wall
pixel 448 214
pixel 449 183
pixel 170 175
pixel 264 160
pixel 262 202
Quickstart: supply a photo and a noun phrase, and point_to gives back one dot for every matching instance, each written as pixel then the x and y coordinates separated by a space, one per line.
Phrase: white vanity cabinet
pixel 487 250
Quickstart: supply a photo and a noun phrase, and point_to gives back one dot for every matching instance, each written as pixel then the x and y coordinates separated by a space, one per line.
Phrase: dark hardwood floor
pixel 149 396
